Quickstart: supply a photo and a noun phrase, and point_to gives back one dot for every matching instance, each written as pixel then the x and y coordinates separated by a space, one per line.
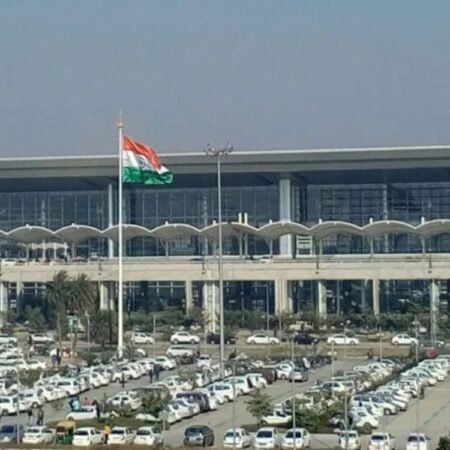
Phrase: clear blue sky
pixel 260 74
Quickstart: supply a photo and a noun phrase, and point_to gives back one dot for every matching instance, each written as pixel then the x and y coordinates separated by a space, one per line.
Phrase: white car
pixel 35 364
pixel 125 372
pixel 124 399
pixel 203 361
pixel 349 440
pixel 51 393
pixel 241 385
pixel 179 350
pixel 418 441
pixel 69 385
pixel 266 437
pixel 382 441
pixel 259 339
pixel 237 438
pixel 41 338
pixel 149 435
pixel 362 418
pixel 38 435
pixel 298 436
pixel 84 413
pixel 166 363
pixel 404 339
pixel 276 418
pixel 32 396
pixel 184 337
pixel 224 392
pixel 342 339
pixel 8 405
pixel 121 435
pixel 7 339
pixel 87 436
pixel 142 339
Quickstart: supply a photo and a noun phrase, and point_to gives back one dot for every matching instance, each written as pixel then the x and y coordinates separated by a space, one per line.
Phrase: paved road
pixel 221 419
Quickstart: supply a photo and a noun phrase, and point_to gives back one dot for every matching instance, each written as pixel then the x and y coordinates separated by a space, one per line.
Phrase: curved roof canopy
pixel 331 228
pixel 129 231
pixel 170 231
pixel 229 229
pixel 31 233
pixel 77 233
pixel 387 227
pixel 275 230
pixel 433 228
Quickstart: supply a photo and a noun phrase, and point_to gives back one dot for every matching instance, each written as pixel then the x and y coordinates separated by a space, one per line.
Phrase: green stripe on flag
pixel 134 175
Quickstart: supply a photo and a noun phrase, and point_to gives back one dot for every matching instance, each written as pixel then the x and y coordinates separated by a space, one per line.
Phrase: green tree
pixel 35 319
pixel 82 301
pixel 104 327
pixel 58 293
pixel 259 405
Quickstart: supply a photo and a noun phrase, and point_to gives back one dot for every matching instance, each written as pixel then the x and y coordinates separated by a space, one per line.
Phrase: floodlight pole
pixel 218 153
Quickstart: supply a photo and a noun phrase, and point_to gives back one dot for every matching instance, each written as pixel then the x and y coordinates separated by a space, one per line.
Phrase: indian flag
pixel 141 164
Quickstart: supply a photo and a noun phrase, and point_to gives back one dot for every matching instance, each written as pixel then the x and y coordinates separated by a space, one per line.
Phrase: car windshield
pixel 33 431
pixel 7 429
pixel 118 431
pixel 415 438
pixel 81 433
pixel 194 431
pixel 143 432
pixel 290 434
pixel 264 434
pixel 378 437
pixel 230 434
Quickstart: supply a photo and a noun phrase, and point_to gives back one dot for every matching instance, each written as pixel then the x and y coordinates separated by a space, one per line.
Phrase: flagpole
pixel 120 244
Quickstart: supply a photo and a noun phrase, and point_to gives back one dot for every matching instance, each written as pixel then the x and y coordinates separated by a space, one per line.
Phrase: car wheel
pixel 34 405
pixel 352 343
pixel 71 419
pixel 396 343
pixel 273 342
pixel 193 341
pixel 387 412
pixel 5 412
pixel 175 341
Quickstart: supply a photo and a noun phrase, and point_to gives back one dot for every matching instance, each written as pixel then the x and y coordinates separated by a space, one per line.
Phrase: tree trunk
pixel 74 341
pixel 59 329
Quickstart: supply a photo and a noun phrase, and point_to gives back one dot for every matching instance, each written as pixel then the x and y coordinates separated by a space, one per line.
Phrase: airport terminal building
pixel 336 230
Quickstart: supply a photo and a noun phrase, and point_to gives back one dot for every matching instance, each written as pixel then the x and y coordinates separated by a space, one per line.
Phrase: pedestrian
pixel 40 416
pixel 157 369
pixel 97 407
pixel 106 431
pixel 76 403
pixel 30 416
pixel 150 374
pixel 422 392
pixel 198 352
pixel 122 379
pixel 86 402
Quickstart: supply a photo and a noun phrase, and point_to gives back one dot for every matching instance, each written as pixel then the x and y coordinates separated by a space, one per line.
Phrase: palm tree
pixel 104 327
pixel 82 301
pixel 58 294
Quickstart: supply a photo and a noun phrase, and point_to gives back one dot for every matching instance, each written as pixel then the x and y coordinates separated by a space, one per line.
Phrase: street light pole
pixel 219 153
pixel 267 320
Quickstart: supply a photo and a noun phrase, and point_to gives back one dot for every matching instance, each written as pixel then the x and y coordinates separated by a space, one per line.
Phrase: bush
pixel 444 443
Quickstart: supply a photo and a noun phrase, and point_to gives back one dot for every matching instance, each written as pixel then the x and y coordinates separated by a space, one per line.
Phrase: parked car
pixel 404 339
pixel 214 338
pixel 39 435
pixel 256 339
pixel 349 440
pixel 342 339
pixel 237 438
pixel 298 436
pixel 120 435
pixel 266 437
pixel 8 433
pixel 299 373
pixel 199 435
pixel 184 337
pixel 418 441
pixel 7 339
pixel 87 436
pixel 41 338
pixel 382 441
pixel 276 418
pixel 166 363
pixel 179 351
pixel 148 435
pixel 84 413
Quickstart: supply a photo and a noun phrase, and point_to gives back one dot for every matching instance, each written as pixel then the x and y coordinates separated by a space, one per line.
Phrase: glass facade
pixel 359 203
